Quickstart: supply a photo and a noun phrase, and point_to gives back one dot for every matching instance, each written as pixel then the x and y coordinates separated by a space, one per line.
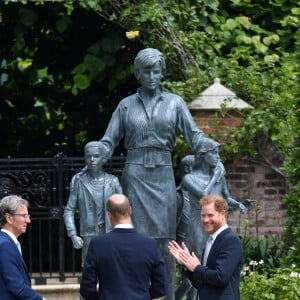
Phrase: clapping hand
pixel 174 250
pixel 183 255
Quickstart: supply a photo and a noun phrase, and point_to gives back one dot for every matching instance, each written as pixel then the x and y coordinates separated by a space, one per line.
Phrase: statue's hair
pixel 10 204
pixel 118 204
pixel 205 144
pixel 219 202
pixel 102 148
pixel 149 57
pixel 187 162
pixel 97 144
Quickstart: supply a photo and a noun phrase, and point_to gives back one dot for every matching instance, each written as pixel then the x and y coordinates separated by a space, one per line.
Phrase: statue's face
pixel 93 158
pixel 212 157
pixel 150 76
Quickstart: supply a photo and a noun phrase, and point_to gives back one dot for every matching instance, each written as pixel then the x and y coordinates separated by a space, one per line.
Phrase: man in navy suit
pixel 217 275
pixel 125 264
pixel 15 282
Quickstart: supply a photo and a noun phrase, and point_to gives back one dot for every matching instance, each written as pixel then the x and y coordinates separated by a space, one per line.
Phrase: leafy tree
pixel 71 63
pixel 59 75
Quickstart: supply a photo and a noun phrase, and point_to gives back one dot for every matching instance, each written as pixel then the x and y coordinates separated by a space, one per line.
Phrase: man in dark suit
pixel 125 264
pixel 15 282
pixel 217 275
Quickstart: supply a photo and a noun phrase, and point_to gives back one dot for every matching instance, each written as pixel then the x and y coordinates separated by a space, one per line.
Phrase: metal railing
pixel 44 182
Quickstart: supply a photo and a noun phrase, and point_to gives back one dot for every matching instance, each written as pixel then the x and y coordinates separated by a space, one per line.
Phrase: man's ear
pixel 224 213
pixel 8 218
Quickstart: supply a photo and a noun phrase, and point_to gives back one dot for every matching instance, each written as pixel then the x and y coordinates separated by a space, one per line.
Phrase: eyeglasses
pixel 25 216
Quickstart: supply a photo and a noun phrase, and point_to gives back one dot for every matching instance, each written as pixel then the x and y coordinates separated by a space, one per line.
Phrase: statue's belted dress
pixel 149 137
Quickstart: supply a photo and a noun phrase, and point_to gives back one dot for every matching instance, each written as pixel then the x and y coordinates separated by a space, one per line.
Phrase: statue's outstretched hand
pixel 77 241
pixel 243 208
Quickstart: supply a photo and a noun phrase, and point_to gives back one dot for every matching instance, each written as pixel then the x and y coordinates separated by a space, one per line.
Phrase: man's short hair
pixel 10 204
pixel 118 205
pixel 219 202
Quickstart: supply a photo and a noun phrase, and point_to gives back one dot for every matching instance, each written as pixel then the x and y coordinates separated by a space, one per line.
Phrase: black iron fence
pixel 44 182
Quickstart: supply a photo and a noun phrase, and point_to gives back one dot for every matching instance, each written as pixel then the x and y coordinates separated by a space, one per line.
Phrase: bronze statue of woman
pixel 149 121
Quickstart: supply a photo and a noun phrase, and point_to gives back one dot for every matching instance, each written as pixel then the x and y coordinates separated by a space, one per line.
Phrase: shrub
pixel 278 284
pixel 268 248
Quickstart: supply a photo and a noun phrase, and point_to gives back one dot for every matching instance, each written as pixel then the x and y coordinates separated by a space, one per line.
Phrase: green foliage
pixel 65 65
pixel 268 249
pixel 57 79
pixel 281 283
pixel 263 275
pixel 292 228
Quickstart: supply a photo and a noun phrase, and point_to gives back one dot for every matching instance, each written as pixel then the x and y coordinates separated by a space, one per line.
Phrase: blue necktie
pixel 19 247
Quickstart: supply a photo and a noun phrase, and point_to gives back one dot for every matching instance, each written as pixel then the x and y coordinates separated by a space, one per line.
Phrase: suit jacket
pixel 126 264
pixel 220 278
pixel 15 282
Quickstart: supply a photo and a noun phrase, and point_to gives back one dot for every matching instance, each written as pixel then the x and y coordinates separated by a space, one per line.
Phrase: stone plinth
pixel 58 291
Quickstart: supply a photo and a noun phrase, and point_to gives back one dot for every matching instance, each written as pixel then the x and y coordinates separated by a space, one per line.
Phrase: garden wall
pixel 247 180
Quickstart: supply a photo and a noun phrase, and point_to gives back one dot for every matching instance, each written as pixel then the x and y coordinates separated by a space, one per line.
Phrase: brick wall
pixel 211 122
pixel 248 179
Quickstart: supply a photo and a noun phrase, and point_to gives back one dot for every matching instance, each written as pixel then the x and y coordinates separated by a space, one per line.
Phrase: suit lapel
pixel 216 242
pixel 5 235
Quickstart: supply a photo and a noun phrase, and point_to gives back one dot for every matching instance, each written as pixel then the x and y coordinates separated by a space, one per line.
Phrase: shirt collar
pixel 216 233
pixel 11 235
pixel 161 96
pixel 124 226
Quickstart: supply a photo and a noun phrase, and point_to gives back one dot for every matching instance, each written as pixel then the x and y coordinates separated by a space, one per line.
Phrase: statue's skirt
pixel 152 195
